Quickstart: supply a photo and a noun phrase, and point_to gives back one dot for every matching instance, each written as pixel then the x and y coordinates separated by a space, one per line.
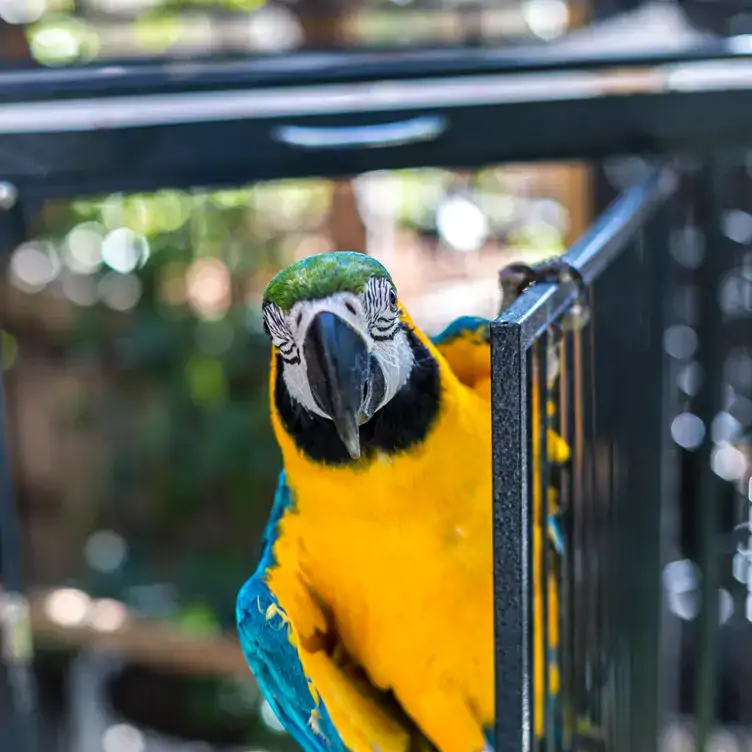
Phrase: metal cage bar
pixel 606 703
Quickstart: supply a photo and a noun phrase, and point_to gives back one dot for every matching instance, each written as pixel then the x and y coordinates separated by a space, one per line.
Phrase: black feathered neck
pixel 402 423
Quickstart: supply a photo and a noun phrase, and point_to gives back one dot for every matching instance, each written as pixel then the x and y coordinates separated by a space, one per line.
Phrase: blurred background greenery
pixel 136 368
pixel 136 375
pixel 63 32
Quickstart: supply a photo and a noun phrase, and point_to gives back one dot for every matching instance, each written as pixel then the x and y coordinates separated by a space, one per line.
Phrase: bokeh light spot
pixel 208 287
pixel 124 249
pixel 687 430
pixel 122 737
pixel 105 551
pixel 121 292
pixel 68 607
pixel 34 265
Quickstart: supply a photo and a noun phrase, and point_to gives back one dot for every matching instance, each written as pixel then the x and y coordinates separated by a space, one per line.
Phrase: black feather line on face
pixel 402 423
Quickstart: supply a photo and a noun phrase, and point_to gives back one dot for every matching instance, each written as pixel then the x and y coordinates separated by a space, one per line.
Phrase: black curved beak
pixel 338 366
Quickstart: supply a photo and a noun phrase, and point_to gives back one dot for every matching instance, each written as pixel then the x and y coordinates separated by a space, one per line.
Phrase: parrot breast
pixel 399 557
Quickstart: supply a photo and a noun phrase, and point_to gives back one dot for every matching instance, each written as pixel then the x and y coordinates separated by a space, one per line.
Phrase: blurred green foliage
pixel 164 293
pixel 191 462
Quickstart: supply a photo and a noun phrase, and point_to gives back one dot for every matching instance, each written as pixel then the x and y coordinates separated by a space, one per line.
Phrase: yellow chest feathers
pixel 399 556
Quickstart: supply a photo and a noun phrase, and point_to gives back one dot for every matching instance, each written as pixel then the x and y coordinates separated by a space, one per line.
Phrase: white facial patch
pixel 373 315
pixel 396 359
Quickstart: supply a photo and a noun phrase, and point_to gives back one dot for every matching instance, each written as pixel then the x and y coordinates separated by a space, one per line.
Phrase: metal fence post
pixel 511 530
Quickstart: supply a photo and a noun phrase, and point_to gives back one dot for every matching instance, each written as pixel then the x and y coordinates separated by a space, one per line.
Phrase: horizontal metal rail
pixel 134 128
pixel 322 68
pixel 606 238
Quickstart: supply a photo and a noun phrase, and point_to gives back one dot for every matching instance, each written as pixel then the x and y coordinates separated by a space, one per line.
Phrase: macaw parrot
pixel 368 623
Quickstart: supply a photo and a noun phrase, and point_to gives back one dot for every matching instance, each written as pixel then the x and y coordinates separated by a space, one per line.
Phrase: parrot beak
pixel 338 362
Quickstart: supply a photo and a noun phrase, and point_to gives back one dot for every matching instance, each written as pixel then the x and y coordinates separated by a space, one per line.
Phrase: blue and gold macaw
pixel 369 621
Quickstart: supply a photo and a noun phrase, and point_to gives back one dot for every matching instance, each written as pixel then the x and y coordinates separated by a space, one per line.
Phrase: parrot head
pixel 343 351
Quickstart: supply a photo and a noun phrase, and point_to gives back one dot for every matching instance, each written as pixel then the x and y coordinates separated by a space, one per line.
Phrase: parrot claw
pixel 516 278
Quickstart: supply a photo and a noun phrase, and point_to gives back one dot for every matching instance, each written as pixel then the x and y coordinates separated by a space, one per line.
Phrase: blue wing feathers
pixel 460 327
pixel 272 658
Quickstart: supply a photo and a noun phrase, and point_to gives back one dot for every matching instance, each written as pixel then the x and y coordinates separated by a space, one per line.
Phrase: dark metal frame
pixel 139 128
pixel 513 335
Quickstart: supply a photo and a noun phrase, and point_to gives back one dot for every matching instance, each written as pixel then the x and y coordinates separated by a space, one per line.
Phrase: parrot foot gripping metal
pixel 517 277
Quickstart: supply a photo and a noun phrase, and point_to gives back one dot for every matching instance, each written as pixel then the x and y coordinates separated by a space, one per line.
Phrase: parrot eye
pixel 279 333
pixel 392 299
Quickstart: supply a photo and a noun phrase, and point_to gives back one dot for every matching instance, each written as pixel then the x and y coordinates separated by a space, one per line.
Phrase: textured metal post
pixel 512 536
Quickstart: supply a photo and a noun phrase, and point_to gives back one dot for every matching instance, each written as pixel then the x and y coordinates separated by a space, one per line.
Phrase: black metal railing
pixel 647 497
pixel 103 128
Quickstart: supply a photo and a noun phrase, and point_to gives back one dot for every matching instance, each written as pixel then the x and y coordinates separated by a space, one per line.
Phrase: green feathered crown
pixel 322 275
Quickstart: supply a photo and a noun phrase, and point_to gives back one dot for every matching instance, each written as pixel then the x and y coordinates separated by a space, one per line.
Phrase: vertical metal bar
pixel 708 405
pixel 637 350
pixel 531 438
pixel 579 542
pixel 566 599
pixel 511 530
pixel 662 271
pixel 547 569
pixel 539 482
pixel 14 607
pixel 593 527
